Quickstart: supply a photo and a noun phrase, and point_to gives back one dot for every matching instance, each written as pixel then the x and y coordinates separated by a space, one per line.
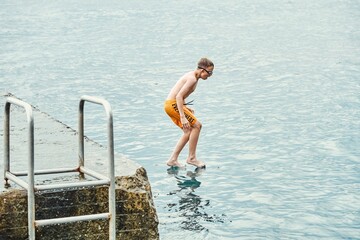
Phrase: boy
pixel 183 116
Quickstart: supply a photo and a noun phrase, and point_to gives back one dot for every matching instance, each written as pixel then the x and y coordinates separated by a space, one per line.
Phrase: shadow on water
pixel 191 206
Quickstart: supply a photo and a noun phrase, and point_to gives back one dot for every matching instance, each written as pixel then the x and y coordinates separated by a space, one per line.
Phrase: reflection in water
pixel 191 207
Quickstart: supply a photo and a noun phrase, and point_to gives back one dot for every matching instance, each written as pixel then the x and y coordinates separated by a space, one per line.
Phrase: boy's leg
pixel 173 161
pixel 193 140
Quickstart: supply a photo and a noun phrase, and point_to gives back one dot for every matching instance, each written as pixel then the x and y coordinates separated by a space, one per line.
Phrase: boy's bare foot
pixel 172 163
pixel 195 163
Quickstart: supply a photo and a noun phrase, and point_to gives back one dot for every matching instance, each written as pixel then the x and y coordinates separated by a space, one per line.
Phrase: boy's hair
pixel 205 62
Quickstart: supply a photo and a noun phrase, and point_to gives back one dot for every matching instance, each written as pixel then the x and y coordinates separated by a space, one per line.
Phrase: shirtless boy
pixel 183 116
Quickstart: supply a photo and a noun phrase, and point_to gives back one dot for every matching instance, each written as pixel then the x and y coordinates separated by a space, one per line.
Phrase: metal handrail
pixel 110 136
pixel 30 186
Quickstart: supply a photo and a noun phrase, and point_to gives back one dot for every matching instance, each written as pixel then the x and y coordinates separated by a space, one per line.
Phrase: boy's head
pixel 207 66
pixel 205 62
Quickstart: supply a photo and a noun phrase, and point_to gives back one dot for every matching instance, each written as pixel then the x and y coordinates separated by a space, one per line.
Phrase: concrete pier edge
pixel 57 144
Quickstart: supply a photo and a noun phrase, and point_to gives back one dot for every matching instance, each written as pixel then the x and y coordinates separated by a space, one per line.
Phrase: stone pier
pixel 56 146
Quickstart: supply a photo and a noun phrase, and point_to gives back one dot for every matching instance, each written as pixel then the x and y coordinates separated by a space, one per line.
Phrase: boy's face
pixel 206 72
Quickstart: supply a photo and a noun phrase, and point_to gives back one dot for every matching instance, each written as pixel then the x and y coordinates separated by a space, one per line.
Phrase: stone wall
pixel 135 212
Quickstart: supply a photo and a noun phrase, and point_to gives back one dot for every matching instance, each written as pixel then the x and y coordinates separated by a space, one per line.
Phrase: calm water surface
pixel 281 114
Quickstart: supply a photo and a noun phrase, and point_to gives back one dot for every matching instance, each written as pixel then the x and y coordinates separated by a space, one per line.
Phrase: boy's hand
pixel 185 123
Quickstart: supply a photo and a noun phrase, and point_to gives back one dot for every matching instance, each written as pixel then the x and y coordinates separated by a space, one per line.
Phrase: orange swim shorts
pixel 171 109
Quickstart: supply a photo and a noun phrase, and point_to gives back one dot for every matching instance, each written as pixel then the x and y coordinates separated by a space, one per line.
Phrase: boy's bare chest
pixel 192 89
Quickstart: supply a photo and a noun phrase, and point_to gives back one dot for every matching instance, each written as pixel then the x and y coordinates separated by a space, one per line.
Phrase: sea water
pixel 281 114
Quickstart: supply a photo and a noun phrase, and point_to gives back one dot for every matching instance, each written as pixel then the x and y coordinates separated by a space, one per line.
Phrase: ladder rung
pixel 17 180
pixel 93 173
pixel 53 221
pixel 47 171
pixel 71 185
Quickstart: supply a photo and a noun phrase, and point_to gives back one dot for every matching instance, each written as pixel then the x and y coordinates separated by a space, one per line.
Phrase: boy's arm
pixel 180 98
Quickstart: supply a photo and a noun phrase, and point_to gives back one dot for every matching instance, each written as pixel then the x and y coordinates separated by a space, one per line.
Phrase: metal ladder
pixel 32 188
